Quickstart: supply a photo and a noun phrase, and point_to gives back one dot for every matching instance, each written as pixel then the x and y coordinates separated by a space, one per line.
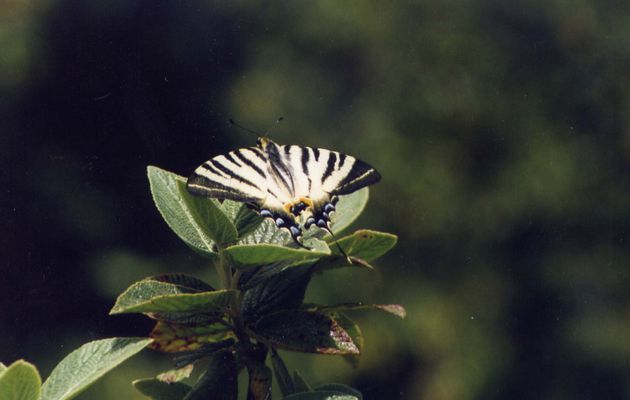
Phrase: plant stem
pixel 224 270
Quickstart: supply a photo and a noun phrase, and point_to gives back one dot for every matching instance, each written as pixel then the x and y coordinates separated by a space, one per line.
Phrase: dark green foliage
pixel 260 307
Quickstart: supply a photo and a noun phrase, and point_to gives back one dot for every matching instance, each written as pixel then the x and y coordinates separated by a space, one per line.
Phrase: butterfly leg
pixel 321 217
pixel 285 221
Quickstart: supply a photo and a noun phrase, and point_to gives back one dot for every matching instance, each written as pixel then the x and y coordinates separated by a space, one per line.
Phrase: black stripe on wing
pixel 361 175
pixel 243 158
pixel 202 186
pixel 277 167
pixel 330 165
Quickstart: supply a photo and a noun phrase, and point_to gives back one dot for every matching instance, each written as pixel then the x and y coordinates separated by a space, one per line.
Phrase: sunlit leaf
pixel 305 331
pixel 183 280
pixel 177 338
pixel 150 296
pixel 349 207
pixel 244 219
pixel 199 222
pixel 88 363
pixel 366 244
pixel 258 254
pixel 266 232
pixel 20 381
pixel 158 390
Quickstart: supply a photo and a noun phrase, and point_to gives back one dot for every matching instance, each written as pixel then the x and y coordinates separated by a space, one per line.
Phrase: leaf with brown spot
pixel 394 309
pixel 172 338
pixel 306 331
pixel 176 375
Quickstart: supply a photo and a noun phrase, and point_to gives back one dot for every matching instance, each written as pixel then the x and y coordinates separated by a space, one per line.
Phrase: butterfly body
pixel 295 186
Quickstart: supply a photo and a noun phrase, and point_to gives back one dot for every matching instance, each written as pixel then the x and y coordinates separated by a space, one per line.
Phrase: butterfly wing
pixel 239 175
pixel 284 181
pixel 321 174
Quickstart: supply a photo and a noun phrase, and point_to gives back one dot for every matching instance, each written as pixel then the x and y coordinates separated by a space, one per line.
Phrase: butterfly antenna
pixel 276 122
pixel 241 127
pixel 339 246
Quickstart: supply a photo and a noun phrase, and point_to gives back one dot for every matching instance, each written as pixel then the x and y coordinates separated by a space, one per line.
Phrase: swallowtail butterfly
pixel 295 186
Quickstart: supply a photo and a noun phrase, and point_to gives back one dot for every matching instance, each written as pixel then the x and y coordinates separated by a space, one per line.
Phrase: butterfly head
pixel 262 142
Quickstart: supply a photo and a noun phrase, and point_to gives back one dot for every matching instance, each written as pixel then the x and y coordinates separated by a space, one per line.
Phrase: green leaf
pixel 285 383
pixel 340 388
pixel 199 222
pixel 321 395
pixel 258 254
pixel 158 390
pixel 366 244
pixel 305 331
pixel 348 209
pixel 395 309
pixel 267 232
pixel 2 368
pixel 219 381
pixel 188 281
pixel 244 219
pixel 282 290
pixel 20 381
pixel 300 383
pixel 88 363
pixel 172 338
pixel 150 296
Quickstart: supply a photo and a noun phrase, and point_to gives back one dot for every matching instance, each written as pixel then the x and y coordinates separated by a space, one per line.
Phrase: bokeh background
pixel 501 129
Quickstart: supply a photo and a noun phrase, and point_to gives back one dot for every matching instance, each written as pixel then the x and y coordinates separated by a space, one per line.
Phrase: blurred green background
pixel 501 129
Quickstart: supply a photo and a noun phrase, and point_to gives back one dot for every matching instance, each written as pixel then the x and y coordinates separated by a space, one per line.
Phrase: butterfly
pixel 296 186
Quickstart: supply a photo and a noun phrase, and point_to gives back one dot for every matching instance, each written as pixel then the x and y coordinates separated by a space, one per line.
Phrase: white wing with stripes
pixel 296 186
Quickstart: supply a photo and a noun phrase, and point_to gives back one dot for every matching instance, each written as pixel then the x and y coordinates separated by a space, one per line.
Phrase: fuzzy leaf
pixel 266 232
pixel 219 381
pixel 173 338
pixel 88 363
pixel 366 244
pixel 244 219
pixel 150 296
pixel 258 254
pixel 199 222
pixel 306 331
pixel 20 381
pixel 158 390
pixel 184 280
pixel 349 208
